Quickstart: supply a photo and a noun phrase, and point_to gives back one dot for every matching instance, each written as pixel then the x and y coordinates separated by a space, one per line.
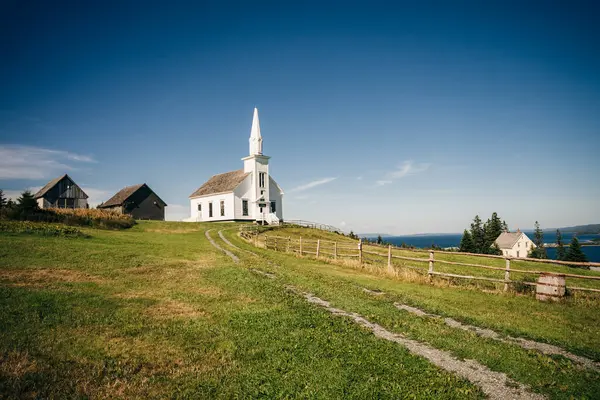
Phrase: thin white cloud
pixel 312 184
pixel 382 182
pixel 405 169
pixel 27 162
pixel 96 196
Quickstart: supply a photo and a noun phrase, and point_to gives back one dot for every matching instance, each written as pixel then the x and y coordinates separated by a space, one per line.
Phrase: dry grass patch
pixel 15 364
pixel 174 309
pixel 41 277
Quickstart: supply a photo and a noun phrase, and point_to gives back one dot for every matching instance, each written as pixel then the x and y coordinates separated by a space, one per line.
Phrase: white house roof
pixel 507 240
pixel 221 183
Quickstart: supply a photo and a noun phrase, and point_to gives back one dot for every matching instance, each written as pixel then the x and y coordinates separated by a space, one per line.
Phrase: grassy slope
pixel 574 324
pixel 156 312
pixel 313 234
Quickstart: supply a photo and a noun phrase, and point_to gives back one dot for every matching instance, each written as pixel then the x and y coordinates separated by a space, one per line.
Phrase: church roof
pixel 507 240
pixel 221 183
pixel 122 195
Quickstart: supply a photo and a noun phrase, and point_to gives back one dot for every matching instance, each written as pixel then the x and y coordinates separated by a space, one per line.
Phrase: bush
pixel 92 218
pixel 40 228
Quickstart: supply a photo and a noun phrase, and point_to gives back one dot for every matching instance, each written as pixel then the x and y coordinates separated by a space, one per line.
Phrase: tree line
pixel 481 239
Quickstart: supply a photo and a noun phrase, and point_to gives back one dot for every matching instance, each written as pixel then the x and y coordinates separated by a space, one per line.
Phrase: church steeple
pixel 255 137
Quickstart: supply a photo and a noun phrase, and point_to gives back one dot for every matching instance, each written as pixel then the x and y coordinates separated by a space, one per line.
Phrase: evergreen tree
pixel 504 226
pixel 574 253
pixel 379 240
pixel 478 235
pixel 492 229
pixel 466 243
pixel 26 203
pixel 538 239
pixel 560 249
pixel 2 199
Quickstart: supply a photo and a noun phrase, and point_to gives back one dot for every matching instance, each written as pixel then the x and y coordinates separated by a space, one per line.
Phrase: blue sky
pixel 379 117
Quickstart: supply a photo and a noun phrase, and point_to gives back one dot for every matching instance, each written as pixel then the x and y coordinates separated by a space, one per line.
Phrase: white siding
pixel 216 199
pixel 244 191
pixel 276 196
pixel 521 248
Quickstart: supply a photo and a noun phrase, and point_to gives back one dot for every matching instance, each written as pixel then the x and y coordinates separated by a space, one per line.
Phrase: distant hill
pixel 371 235
pixel 582 229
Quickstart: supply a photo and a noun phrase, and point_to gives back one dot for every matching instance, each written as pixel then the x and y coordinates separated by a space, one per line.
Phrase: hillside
pixel 159 311
pixel 582 229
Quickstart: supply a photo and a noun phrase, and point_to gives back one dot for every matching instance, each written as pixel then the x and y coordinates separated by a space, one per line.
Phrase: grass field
pixel 156 311
pixel 309 237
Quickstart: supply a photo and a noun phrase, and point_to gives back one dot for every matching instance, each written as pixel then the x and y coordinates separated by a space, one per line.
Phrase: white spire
pixel 255 137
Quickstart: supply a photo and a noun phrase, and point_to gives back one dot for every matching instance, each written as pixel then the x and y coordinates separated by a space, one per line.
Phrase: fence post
pixel 360 252
pixel 287 249
pixel 318 246
pixel 335 250
pixel 301 245
pixel 390 258
pixel 266 242
pixel 507 274
pixel 430 272
pixel 256 240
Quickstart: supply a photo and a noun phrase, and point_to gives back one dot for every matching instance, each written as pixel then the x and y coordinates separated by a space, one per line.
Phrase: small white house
pixel 248 194
pixel 514 244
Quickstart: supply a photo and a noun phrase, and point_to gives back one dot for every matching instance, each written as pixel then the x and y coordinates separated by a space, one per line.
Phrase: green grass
pixel 156 311
pixel 311 235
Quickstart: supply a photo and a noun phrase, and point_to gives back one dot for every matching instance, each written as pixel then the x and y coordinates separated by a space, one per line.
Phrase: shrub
pixel 40 228
pixel 94 218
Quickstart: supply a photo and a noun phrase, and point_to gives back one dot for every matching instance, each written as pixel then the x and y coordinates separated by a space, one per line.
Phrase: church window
pixel 261 179
pixel 210 214
pixel 245 208
pixel 199 206
pixel 222 208
pixel 273 208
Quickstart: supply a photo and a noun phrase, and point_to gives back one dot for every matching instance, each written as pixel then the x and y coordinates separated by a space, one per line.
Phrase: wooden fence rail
pixel 340 250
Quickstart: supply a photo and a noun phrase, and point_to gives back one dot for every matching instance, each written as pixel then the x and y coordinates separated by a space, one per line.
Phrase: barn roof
pixel 221 183
pixel 507 240
pixel 53 183
pixel 122 195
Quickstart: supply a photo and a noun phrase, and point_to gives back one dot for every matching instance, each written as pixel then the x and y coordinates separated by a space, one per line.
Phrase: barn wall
pixel 145 204
pixel 65 189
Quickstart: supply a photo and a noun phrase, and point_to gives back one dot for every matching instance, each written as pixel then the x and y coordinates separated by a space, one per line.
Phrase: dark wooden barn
pixel 61 192
pixel 139 201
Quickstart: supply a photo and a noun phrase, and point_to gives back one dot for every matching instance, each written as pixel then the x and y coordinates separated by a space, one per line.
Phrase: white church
pixel 248 194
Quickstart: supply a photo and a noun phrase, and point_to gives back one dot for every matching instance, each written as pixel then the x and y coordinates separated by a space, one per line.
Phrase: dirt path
pixel 230 254
pixel 494 384
pixel 490 334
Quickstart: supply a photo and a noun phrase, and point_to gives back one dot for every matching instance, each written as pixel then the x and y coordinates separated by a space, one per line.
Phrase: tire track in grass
pixel 490 334
pixel 230 254
pixel 494 384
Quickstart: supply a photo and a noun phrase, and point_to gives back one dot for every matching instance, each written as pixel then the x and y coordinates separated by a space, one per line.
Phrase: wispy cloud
pixel 27 162
pixel 405 169
pixel 312 184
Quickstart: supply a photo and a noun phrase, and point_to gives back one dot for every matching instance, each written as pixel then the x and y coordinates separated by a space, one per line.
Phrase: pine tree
pixel 574 253
pixel 379 240
pixel 466 243
pixel 478 235
pixel 504 226
pixel 26 203
pixel 2 199
pixel 492 229
pixel 539 251
pixel 560 249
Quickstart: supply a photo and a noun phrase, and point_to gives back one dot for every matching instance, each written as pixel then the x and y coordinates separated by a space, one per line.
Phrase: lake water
pixel 453 240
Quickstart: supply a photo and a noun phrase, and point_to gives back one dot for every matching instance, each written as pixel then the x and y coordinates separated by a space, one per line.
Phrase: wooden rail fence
pixel 356 250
